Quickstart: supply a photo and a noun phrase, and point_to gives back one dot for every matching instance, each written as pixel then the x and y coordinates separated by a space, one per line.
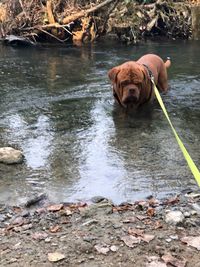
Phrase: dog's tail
pixel 168 62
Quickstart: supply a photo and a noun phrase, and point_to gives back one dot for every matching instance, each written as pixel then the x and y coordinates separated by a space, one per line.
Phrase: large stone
pixel 9 155
pixel 174 217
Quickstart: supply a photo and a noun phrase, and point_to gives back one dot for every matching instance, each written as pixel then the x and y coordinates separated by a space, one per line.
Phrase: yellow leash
pixel 189 160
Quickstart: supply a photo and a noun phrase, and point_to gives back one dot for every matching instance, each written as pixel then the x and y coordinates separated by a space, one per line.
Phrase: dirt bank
pixel 145 233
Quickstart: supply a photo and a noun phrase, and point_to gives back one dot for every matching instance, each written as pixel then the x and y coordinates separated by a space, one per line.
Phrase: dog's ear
pixel 112 74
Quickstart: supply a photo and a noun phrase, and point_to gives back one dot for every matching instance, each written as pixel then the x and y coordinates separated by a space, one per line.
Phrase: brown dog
pixel 131 81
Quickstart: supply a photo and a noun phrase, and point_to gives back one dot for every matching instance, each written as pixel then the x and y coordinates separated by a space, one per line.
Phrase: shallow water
pixel 56 106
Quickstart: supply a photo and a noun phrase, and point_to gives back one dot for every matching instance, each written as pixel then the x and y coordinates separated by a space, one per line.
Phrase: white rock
pixel 9 155
pixel 174 217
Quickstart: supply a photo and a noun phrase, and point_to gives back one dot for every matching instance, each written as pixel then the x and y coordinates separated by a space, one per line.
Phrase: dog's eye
pixel 125 83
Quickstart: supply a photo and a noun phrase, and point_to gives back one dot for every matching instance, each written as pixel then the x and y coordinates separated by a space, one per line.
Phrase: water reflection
pixel 56 105
pixel 100 168
pixel 35 141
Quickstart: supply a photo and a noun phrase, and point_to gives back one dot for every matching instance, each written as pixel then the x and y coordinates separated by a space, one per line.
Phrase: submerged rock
pixel 9 155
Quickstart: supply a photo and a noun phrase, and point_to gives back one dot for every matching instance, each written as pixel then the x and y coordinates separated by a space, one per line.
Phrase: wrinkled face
pixel 127 82
pixel 128 87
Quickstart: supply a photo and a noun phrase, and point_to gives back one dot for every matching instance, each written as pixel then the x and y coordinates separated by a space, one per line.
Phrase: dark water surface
pixel 56 105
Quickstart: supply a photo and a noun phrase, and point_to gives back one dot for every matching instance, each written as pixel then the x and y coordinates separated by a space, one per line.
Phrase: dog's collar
pixel 149 71
pixel 151 77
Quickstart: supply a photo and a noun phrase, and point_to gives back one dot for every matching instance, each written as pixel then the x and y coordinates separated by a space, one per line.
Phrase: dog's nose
pixel 132 91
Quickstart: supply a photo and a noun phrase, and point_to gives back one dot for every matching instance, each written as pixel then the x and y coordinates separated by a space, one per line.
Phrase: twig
pixel 48 33
pixel 66 30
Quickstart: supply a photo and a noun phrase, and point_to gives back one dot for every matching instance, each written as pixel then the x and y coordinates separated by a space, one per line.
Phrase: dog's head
pixel 130 81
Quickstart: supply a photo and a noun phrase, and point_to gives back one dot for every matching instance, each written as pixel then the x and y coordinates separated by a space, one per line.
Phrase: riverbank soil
pixel 151 232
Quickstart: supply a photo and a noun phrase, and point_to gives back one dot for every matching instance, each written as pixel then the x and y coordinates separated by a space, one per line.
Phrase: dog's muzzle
pixel 131 97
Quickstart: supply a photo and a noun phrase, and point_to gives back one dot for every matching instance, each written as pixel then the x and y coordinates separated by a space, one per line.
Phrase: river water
pixel 56 105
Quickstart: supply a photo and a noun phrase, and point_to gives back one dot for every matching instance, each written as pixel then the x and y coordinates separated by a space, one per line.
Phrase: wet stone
pixel 97 199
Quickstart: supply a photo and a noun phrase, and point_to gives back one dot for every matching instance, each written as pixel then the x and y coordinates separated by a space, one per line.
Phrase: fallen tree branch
pixel 48 26
pixel 83 13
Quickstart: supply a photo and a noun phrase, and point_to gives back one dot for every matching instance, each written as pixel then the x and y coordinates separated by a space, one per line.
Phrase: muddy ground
pixel 150 232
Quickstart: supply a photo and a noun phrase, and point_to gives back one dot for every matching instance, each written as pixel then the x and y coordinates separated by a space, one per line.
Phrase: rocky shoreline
pixel 149 232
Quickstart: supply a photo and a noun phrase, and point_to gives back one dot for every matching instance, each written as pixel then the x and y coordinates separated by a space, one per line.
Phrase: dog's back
pixel 158 68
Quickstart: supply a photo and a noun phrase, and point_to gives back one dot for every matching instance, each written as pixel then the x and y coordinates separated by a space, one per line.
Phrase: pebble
pixel 2 218
pixel 114 248
pixel 187 214
pixel 25 213
pixel 196 207
pixel 193 212
pixel 174 237
pixel 18 220
pixel 117 225
pixel 48 240
pixel 89 238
